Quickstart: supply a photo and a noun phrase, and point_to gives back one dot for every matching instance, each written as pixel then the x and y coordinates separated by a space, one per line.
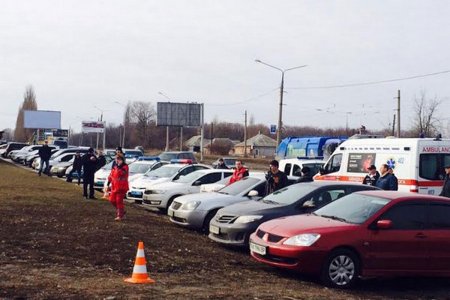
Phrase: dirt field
pixel 54 245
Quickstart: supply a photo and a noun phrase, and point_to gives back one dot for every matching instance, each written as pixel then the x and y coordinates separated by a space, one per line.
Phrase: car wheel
pixel 341 269
pixel 208 219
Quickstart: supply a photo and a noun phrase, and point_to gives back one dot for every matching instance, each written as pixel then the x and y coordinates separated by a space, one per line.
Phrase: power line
pixel 245 101
pixel 369 82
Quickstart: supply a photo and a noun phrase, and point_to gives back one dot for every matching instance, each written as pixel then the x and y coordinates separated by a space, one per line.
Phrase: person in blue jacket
pixel 387 180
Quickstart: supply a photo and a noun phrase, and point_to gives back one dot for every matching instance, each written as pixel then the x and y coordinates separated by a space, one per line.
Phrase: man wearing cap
pixel 276 179
pixel 372 177
pixel 89 161
pixel 446 187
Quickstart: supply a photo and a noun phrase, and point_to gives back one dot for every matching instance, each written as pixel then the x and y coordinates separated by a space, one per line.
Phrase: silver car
pixel 196 210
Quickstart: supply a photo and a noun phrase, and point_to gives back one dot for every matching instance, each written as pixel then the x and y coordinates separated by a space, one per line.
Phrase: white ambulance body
pixel 417 163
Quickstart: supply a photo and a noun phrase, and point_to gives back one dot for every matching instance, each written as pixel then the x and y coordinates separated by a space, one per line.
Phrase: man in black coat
pixel 306 175
pixel 276 179
pixel 89 162
pixel 446 187
pixel 101 160
pixel 44 153
pixel 221 164
pixel 76 167
pixel 372 177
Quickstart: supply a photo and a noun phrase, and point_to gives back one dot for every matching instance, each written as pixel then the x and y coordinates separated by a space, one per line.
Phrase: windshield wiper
pixel 225 193
pixel 335 218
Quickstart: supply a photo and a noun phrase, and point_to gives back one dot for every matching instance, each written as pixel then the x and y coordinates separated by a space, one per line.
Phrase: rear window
pixel 431 166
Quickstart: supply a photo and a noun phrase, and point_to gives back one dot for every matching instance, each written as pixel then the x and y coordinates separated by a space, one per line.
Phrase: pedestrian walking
pixel 446 186
pixel 275 178
pixel 89 161
pixel 44 153
pixel 372 177
pixel 119 186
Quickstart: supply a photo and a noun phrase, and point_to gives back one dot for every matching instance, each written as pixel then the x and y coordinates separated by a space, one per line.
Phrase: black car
pixel 233 224
pixel 13 146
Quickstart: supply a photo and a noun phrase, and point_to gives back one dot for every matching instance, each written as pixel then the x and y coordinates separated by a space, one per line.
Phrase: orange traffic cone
pixel 140 268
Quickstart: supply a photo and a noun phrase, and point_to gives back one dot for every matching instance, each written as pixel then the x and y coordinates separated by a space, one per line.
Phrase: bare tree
pixel 425 121
pixel 29 103
pixel 143 115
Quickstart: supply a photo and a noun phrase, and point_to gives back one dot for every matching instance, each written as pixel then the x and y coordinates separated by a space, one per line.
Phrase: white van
pixel 293 166
pixel 417 163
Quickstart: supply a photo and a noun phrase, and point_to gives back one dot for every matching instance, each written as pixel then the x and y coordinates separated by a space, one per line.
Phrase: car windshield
pixel 139 168
pixel 164 172
pixel 354 208
pixel 290 194
pixel 167 156
pixel 193 176
pixel 239 186
pixel 108 166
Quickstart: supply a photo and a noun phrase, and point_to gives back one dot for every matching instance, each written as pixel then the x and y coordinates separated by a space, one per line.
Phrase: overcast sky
pixel 83 54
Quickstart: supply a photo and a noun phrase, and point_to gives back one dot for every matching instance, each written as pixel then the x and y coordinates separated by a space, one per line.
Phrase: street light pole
pixel 280 113
pixel 124 127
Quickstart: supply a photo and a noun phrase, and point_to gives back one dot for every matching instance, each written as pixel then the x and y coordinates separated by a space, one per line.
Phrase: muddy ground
pixel 56 245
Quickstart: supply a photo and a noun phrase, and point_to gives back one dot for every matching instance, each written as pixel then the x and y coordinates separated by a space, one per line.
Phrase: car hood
pixel 102 173
pixel 133 177
pixel 255 208
pixel 294 225
pixel 203 197
pixel 148 181
pixel 168 186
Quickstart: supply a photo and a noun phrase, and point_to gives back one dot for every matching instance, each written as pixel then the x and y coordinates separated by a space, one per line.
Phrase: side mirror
pixel 197 183
pixel 384 224
pixel 322 171
pixel 253 193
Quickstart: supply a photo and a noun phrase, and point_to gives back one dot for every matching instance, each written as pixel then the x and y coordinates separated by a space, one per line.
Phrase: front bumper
pixel 155 200
pixel 232 234
pixel 188 218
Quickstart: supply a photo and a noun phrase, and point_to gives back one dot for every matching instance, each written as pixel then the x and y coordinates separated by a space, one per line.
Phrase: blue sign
pixel 273 129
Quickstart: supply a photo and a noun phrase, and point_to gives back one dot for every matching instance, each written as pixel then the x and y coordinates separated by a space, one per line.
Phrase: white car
pixel 293 166
pixel 165 173
pixel 55 160
pixel 161 195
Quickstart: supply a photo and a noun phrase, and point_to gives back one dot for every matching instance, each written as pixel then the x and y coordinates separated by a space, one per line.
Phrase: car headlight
pixel 157 191
pixel 190 205
pixel 247 219
pixel 305 240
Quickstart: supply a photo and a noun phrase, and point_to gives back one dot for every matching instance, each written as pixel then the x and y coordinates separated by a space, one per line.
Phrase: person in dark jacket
pixel 44 153
pixel 391 171
pixel 446 187
pixel 89 161
pixel 101 160
pixel 306 175
pixel 221 164
pixel 276 179
pixel 387 181
pixel 76 167
pixel 372 177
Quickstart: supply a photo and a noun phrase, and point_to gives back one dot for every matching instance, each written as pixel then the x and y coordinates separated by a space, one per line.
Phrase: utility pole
pixel 167 138
pixel 181 138
pixel 211 136
pixel 245 134
pixel 398 114
pixel 393 126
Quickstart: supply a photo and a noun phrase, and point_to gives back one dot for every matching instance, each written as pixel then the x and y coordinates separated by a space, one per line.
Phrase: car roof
pixel 395 195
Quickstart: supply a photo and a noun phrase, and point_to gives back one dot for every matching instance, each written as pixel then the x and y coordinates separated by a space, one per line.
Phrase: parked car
pixel 64 157
pixel 59 169
pixel 233 224
pixel 165 173
pixel 229 162
pixel 19 155
pixel 168 156
pixel 196 210
pixel 293 166
pixel 368 234
pixel 161 195
pixel 13 146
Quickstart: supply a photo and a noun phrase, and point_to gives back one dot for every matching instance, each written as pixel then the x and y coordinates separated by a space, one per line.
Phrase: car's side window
pixel 67 158
pixel 196 168
pixel 439 215
pixel 287 169
pixel 407 216
pixel 296 171
pixel 210 178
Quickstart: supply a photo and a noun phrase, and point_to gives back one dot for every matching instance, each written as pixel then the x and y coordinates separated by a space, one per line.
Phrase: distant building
pixel 220 146
pixel 258 146
pixel 193 144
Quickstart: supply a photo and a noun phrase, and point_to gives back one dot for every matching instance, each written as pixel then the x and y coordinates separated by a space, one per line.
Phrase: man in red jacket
pixel 119 186
pixel 239 172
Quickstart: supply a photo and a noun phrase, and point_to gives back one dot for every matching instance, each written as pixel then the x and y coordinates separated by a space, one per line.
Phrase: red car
pixel 364 234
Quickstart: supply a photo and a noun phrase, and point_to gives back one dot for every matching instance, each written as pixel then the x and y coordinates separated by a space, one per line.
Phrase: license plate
pixel 136 194
pixel 261 250
pixel 170 213
pixel 214 229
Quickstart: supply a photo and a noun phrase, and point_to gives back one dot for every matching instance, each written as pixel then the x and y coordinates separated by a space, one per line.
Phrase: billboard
pixel 92 126
pixel 179 114
pixel 39 119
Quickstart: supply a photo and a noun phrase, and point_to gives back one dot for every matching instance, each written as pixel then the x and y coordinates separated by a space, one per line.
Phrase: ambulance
pixel 418 163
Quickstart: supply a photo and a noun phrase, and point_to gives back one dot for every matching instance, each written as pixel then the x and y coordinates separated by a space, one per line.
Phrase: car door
pixel 205 179
pixel 438 236
pixel 401 248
